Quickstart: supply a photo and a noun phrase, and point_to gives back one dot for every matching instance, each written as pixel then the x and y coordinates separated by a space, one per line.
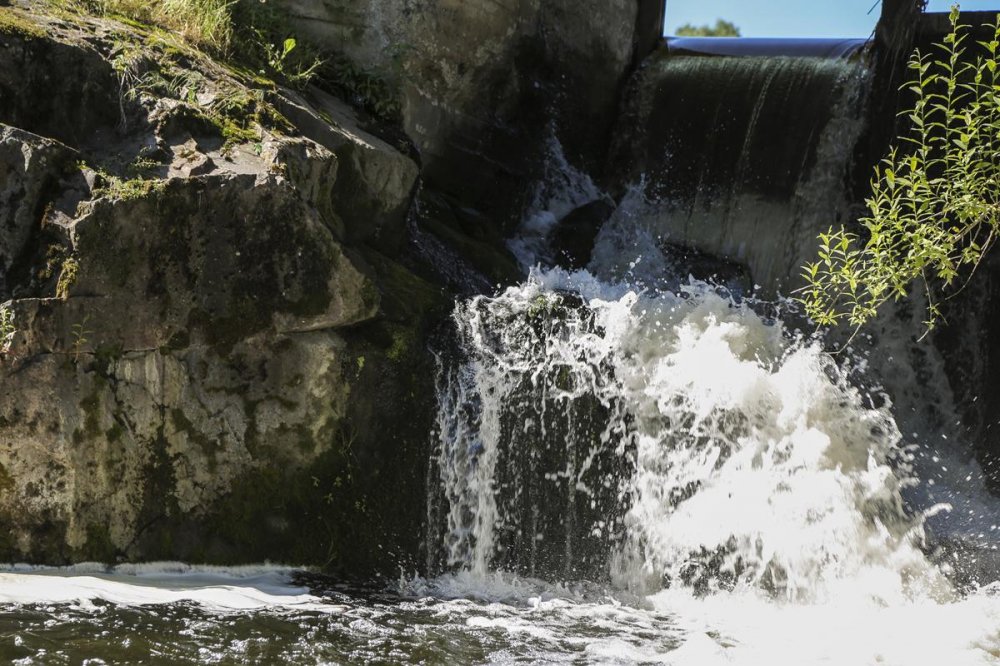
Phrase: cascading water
pixel 746 157
pixel 733 454
pixel 694 456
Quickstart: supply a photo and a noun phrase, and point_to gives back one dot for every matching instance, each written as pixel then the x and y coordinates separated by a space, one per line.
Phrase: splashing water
pixel 751 460
pixel 647 442
pixel 759 495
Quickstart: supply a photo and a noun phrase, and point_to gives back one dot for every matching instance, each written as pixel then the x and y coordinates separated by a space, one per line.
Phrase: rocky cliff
pixel 216 354
pixel 222 289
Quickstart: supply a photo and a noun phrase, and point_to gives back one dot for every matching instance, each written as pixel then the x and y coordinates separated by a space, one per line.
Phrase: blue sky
pixel 795 18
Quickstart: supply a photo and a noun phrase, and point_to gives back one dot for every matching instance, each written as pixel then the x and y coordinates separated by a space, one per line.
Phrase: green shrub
pixel 372 91
pixel 934 210
pixel 264 40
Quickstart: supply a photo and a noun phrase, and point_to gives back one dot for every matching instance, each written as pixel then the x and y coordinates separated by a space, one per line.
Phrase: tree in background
pixel 720 29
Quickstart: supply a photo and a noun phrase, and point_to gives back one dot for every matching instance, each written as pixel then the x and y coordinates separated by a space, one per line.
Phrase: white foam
pixel 743 628
pixel 214 588
pixel 749 443
pixel 748 630
pixel 782 469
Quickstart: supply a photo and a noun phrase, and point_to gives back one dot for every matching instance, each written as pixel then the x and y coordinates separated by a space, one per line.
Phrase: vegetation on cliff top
pixel 257 35
pixel 14 24
pixel 204 23
pixel 935 205
pixel 7 328
pixel 245 32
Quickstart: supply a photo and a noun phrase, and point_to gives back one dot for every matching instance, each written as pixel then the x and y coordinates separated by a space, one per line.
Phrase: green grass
pixel 131 189
pixel 7 328
pixel 252 33
pixel 207 24
pixel 253 38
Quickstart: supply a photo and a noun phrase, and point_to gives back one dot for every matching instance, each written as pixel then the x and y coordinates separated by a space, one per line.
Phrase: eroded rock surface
pixel 30 166
pixel 206 365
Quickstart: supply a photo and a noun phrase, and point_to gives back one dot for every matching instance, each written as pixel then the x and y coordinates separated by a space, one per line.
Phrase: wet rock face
pixel 971 361
pixel 213 331
pixel 483 82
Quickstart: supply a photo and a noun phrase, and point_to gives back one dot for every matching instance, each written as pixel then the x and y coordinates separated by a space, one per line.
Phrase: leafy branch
pixel 934 210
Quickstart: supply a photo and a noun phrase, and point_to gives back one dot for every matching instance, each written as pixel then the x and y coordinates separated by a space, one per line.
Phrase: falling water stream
pixel 629 466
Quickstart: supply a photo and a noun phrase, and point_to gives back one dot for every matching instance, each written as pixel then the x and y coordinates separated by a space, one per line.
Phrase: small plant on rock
pixel 80 338
pixel 7 328
pixel 281 62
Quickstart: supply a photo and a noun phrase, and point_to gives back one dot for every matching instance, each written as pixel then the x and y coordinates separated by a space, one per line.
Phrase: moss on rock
pixel 19 24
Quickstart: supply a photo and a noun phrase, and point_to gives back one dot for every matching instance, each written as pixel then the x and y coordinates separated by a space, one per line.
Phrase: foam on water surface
pixel 214 588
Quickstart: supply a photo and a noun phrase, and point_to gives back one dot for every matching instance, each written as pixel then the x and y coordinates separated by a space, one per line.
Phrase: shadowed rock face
pixel 212 332
pixel 572 239
pixel 482 82
pixel 30 166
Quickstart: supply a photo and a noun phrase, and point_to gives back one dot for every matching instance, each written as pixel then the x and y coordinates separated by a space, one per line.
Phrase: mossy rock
pixel 19 24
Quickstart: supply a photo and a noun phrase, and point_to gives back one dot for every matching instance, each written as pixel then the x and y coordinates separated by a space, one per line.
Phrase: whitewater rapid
pixel 628 442
pixel 765 508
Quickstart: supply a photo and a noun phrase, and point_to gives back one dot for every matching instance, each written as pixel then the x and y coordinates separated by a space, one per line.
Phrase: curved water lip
pixel 766 46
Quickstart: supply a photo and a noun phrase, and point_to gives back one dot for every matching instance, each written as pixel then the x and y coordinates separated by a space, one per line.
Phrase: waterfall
pixel 744 158
pixel 629 424
pixel 534 436
pixel 683 445
pixel 666 438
